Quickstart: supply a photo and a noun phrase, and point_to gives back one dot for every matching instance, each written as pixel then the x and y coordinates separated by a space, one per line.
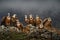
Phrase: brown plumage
pixel 48 26
pixel 19 25
pixel 26 20
pixel 26 29
pixel 13 21
pixel 38 21
pixel 47 22
pixel 3 20
pixel 31 21
pixel 6 21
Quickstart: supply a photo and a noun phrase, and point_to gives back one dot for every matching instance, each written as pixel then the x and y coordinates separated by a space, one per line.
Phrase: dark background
pixel 43 8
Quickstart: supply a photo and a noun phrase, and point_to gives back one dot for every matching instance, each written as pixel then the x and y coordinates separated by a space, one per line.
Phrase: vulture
pixel 6 20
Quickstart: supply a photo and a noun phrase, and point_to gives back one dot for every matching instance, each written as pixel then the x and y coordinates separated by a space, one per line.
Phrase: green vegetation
pixel 12 36
pixel 45 35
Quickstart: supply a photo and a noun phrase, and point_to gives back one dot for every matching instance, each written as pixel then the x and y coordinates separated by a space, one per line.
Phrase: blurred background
pixel 43 8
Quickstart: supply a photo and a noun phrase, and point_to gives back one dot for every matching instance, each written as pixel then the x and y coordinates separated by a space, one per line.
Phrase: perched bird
pixel 38 20
pixel 47 25
pixel 19 25
pixel 6 20
pixel 13 20
pixel 31 20
pixel 47 22
pixel 26 19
